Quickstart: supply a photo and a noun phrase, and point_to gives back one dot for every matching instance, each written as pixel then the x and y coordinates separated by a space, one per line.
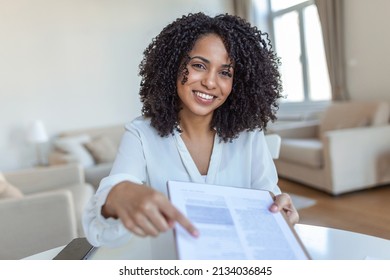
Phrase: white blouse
pixel 146 157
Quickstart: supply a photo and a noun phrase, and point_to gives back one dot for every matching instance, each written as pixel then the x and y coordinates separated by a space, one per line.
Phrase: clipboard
pixel 78 249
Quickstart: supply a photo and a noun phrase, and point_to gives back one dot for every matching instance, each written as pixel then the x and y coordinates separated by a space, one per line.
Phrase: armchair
pixel 47 215
pixel 347 149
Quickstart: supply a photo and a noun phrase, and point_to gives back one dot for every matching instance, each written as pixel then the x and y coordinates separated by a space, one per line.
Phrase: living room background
pixel 74 64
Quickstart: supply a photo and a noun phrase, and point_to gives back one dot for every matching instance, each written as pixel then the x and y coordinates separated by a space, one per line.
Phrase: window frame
pixel 299 8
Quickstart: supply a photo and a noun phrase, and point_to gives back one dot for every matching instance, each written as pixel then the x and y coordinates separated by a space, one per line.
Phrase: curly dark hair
pixel 256 89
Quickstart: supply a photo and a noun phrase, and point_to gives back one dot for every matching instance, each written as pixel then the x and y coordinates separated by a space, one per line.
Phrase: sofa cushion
pixel 7 190
pixel 94 174
pixel 74 145
pixel 114 133
pixel 341 115
pixel 302 151
pixel 102 149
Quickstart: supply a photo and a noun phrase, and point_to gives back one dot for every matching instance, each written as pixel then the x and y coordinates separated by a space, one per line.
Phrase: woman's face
pixel 209 80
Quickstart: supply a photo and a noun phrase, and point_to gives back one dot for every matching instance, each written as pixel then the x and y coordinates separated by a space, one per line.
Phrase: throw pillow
pixel 74 145
pixel 7 190
pixel 102 149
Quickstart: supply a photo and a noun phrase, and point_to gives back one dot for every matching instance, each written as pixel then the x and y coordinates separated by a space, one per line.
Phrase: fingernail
pixel 195 233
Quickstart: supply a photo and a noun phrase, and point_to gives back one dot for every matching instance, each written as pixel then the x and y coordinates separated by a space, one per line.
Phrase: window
pixel 297 38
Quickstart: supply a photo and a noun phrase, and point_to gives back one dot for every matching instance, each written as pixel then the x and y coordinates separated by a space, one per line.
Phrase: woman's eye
pixel 198 66
pixel 226 73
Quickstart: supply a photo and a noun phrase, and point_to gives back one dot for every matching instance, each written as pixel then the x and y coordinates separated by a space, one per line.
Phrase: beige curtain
pixel 331 17
pixel 243 8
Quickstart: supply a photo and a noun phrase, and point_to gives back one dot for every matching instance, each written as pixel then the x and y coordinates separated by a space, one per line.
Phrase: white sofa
pixel 92 148
pixel 348 149
pixel 41 208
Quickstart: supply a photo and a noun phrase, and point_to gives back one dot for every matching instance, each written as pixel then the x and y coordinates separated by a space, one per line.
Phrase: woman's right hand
pixel 143 210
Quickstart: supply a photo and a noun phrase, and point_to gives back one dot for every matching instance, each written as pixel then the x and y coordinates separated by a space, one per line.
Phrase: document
pixel 234 224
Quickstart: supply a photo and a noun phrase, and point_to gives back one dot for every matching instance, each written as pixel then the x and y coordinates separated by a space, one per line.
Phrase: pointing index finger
pixel 176 216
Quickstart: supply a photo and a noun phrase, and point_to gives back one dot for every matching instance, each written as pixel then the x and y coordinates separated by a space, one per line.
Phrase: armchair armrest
pixel 355 156
pixel 36 223
pixel 305 129
pixel 46 178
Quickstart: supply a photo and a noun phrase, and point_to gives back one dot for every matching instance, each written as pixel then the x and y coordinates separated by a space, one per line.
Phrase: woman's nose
pixel 209 80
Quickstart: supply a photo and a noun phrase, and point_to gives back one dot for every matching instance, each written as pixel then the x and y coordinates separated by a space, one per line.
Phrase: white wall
pixel 367 49
pixel 74 63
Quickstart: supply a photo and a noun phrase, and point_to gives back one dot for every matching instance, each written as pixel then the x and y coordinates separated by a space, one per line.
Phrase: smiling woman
pixel 209 87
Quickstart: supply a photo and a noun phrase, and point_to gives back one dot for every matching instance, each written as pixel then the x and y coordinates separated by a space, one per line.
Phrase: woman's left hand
pixel 283 202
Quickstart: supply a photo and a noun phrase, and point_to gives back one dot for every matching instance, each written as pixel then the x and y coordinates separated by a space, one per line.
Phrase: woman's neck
pixel 199 140
pixel 196 127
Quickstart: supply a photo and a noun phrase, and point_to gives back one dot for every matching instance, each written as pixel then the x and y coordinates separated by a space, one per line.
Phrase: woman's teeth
pixel 204 95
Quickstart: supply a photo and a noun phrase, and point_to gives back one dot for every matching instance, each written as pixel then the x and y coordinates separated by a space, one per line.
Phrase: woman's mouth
pixel 204 96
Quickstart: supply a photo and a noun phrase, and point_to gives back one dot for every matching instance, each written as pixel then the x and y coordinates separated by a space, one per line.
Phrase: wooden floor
pixel 366 211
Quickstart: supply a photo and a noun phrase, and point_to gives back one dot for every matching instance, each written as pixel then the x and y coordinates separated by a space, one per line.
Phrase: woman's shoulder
pixel 251 134
pixel 140 125
pixel 138 122
pixel 246 139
